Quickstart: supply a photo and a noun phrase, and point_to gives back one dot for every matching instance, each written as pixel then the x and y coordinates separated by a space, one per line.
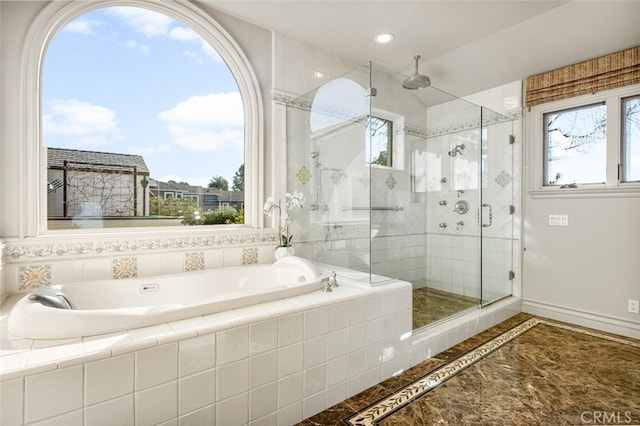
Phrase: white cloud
pixel 207 123
pixel 192 55
pixel 142 48
pixel 183 34
pixel 148 150
pixel 153 24
pixel 149 23
pixel 80 26
pixel 87 123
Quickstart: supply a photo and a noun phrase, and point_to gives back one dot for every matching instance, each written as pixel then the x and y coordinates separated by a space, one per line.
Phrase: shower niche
pixel 404 184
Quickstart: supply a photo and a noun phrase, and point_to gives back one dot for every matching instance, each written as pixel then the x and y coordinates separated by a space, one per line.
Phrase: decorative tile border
pixel 249 256
pixel 371 415
pixel 17 251
pixel 291 100
pixel 194 261
pixel 34 276
pixel 124 267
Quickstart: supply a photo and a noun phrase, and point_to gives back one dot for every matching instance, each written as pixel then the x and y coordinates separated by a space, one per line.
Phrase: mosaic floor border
pixel 372 414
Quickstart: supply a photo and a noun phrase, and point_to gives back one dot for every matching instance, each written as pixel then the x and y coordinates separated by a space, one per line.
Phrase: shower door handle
pixel 486 225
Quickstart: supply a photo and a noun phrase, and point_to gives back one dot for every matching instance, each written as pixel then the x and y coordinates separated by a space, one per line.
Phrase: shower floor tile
pixel 525 371
pixel 431 305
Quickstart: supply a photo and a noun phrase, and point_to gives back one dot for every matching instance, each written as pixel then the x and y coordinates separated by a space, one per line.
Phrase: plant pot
pixel 281 252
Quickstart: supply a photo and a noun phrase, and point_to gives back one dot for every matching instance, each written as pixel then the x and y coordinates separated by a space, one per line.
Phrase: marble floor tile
pixel 524 371
pixel 431 305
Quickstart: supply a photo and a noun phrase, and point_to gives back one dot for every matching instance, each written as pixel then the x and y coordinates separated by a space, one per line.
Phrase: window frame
pixel 389 143
pixel 623 146
pixel 47 24
pixel 545 141
pixel 397 139
pixel 535 161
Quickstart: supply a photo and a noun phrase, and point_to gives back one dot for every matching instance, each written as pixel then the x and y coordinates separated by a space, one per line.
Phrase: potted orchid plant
pixel 293 200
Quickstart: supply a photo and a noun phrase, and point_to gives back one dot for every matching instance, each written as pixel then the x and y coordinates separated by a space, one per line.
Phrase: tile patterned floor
pixel 431 305
pixel 524 371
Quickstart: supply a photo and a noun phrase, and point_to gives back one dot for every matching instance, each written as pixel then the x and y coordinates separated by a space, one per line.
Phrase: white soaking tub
pixel 114 305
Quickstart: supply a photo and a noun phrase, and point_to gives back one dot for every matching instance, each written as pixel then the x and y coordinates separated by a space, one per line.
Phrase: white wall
pixel 586 272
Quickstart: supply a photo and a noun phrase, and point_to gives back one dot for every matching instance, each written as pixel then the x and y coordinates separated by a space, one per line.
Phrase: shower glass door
pixel 425 195
pixel 496 212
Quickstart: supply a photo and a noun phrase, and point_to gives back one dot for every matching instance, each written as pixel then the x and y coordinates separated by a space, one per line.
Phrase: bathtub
pixel 113 305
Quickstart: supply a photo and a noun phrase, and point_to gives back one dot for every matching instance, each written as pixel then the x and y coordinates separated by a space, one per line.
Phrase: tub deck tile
pixel 105 342
pixel 134 346
pixel 84 358
pixel 14 366
pixel 153 332
pixel 47 354
pixel 193 325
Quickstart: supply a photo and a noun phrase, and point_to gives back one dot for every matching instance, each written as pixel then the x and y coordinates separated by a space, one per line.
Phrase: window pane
pixel 575 146
pixel 143 124
pixel 381 134
pixel 631 141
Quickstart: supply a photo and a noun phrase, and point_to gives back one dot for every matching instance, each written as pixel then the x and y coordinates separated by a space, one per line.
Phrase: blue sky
pixel 128 80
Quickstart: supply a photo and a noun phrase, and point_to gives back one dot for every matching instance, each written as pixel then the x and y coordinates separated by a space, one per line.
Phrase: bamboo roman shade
pixel 606 72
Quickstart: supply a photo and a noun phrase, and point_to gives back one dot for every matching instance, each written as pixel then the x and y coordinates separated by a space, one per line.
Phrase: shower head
pixel 417 80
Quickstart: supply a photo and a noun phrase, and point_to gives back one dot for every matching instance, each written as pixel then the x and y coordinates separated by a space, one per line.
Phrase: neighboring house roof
pixel 236 196
pixel 233 196
pixel 57 156
pixel 176 186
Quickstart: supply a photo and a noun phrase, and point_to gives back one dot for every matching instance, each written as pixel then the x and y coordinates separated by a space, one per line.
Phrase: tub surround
pixel 280 361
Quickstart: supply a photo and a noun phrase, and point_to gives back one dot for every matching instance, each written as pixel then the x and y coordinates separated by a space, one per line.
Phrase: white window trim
pixel 534 159
pixel 43 30
pixel 397 143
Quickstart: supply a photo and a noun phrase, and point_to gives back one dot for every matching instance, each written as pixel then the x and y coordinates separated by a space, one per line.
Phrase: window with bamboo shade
pixel 606 72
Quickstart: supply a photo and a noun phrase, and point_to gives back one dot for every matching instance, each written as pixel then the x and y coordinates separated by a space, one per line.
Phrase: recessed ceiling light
pixel 384 38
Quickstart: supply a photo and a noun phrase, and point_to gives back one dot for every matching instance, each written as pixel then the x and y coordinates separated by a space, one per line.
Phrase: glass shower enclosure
pixel 415 185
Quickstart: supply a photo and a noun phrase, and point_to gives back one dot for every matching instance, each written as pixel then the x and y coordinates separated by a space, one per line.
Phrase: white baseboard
pixel 585 319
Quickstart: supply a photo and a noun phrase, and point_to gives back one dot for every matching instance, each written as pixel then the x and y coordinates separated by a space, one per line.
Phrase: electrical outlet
pixel 634 306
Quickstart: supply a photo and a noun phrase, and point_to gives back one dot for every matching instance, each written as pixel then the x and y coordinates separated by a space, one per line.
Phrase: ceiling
pixel 466 46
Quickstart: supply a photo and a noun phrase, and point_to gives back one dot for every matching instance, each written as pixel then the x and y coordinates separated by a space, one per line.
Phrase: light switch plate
pixel 558 220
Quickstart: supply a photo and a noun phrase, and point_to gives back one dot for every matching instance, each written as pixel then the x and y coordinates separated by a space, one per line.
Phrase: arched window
pixel 95 175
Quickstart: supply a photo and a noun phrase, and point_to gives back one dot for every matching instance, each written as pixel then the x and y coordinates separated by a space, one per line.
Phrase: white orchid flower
pixel 269 206
pixel 295 200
